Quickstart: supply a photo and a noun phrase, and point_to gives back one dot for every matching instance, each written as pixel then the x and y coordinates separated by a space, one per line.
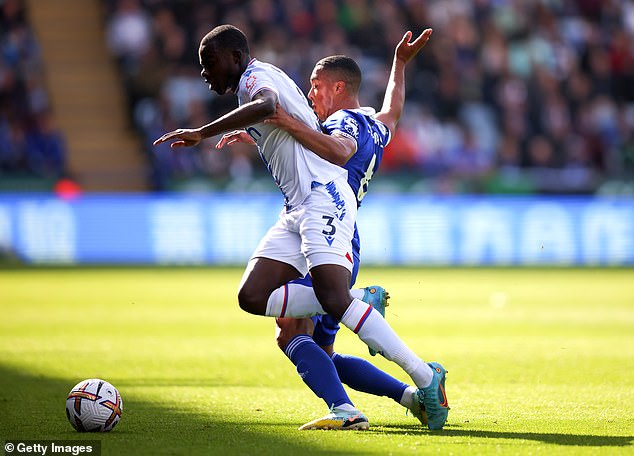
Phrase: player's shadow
pixel 588 440
pixel 29 413
pixel 33 409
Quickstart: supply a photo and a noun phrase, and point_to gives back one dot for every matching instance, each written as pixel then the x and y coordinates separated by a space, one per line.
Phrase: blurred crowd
pixel 510 95
pixel 30 144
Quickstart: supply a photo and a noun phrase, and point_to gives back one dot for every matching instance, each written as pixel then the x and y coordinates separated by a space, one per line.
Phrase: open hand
pixel 183 138
pixel 235 137
pixel 280 118
pixel 406 50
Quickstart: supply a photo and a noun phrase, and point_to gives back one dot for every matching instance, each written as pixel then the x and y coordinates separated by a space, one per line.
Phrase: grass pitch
pixel 540 362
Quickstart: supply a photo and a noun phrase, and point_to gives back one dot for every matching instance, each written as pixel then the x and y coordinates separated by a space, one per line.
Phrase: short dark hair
pixel 226 37
pixel 344 69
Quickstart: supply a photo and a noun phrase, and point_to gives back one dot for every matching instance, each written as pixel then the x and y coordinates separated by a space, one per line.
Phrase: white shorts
pixel 318 231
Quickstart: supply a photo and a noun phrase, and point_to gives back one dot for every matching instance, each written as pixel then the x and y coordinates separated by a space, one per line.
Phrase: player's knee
pixel 332 288
pixel 282 339
pixel 289 328
pixel 335 302
pixel 252 300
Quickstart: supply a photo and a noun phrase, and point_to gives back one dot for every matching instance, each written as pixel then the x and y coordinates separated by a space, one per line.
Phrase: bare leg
pixel 260 278
pixel 331 283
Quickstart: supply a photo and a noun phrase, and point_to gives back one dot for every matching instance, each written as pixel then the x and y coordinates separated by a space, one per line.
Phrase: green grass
pixel 540 362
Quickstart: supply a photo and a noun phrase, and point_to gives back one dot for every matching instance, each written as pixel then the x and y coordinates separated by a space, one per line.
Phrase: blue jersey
pixel 370 137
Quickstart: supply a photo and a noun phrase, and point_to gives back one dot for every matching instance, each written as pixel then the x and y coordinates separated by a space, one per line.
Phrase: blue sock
pixel 363 376
pixel 317 370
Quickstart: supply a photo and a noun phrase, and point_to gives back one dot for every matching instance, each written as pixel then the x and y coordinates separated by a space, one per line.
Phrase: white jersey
pixel 294 168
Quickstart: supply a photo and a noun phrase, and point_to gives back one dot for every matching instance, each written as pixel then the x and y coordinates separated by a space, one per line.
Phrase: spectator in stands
pixel 29 143
pixel 550 81
pixel 45 148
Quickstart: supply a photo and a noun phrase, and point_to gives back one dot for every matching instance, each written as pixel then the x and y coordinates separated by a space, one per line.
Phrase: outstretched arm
pixel 261 107
pixel 335 148
pixel 395 91
pixel 338 149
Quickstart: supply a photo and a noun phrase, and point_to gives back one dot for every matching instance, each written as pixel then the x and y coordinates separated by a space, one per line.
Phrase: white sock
pixel 371 327
pixel 309 305
pixel 423 375
pixel 293 300
pixel 358 293
pixel 346 408
pixel 407 400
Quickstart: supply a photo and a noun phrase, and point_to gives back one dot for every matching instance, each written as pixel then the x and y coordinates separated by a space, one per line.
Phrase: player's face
pixel 322 93
pixel 220 69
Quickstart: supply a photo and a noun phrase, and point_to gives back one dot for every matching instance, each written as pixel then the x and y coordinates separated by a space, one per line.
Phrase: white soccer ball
pixel 94 405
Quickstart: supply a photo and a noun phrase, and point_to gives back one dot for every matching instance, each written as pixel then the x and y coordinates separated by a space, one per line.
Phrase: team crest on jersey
pixel 251 82
pixel 351 127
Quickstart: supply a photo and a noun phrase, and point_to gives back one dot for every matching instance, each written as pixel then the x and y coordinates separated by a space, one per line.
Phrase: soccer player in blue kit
pixel 315 229
pixel 334 96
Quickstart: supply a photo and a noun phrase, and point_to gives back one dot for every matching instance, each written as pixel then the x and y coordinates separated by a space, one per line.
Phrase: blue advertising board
pixel 408 229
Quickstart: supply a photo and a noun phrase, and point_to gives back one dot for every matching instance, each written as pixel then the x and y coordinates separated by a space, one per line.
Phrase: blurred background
pixel 516 145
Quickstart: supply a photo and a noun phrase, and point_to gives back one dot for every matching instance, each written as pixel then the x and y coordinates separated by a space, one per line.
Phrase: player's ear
pixel 236 55
pixel 340 87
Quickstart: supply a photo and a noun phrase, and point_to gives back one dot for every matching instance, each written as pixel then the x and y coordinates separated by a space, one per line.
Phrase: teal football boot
pixel 433 399
pixel 377 297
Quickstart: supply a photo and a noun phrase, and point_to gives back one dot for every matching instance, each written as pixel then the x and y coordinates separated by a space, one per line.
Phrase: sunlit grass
pixel 538 360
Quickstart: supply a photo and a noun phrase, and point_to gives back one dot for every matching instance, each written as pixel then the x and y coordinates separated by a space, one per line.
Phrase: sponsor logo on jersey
pixel 251 82
pixel 351 127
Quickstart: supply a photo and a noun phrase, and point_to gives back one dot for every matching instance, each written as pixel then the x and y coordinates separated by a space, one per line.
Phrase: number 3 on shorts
pixel 329 224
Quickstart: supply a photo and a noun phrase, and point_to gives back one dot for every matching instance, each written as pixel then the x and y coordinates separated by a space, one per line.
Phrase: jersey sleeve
pixel 343 123
pixel 384 133
pixel 256 80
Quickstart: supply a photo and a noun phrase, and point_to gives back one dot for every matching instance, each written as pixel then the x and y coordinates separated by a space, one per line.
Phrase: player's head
pixel 223 54
pixel 334 85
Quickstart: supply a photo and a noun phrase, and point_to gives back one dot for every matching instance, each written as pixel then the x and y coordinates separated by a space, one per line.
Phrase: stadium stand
pixel 32 150
pixel 510 97
pixel 103 152
pixel 61 78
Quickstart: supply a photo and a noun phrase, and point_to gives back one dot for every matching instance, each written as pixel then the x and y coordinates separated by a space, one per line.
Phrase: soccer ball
pixel 94 405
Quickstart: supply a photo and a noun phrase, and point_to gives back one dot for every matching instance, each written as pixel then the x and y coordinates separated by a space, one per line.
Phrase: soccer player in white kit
pixel 315 228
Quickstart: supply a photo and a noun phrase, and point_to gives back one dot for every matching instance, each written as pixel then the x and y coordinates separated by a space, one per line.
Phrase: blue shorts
pixel 326 326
